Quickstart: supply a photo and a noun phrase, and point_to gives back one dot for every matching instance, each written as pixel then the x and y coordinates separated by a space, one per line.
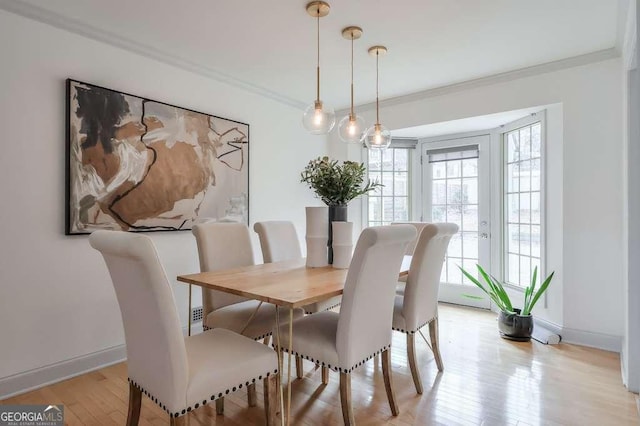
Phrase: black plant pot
pixel 515 326
pixel 336 214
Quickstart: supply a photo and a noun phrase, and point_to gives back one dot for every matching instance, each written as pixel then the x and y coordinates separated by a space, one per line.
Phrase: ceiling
pixel 269 47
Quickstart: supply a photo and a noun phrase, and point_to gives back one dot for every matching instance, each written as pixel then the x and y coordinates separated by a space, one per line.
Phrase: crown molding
pixel 83 29
pixel 574 61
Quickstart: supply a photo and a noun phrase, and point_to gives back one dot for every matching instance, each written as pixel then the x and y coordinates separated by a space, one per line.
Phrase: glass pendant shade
pixel 318 118
pixel 351 128
pixel 377 137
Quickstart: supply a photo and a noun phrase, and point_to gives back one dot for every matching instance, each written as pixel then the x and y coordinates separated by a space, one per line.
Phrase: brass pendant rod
pixel 377 100
pixel 353 116
pixel 318 59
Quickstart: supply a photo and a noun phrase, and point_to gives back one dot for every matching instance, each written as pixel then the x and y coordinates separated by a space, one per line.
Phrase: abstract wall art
pixel 135 164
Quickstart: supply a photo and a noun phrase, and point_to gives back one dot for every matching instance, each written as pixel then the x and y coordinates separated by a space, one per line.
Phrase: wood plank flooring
pixel 486 381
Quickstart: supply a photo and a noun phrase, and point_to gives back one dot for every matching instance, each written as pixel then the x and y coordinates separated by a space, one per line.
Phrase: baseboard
pixel 43 376
pixel 607 342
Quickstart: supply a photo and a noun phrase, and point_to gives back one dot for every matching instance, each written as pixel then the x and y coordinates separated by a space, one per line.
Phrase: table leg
pixel 189 315
pixel 289 365
pixel 279 353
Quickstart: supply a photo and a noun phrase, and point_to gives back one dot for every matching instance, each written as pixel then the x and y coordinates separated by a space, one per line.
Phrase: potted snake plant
pixel 513 323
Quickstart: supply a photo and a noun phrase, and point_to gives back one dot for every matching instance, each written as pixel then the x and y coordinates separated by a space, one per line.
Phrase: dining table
pixel 288 285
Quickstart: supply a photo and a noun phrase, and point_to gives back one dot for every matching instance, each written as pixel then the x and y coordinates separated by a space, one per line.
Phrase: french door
pixel 456 189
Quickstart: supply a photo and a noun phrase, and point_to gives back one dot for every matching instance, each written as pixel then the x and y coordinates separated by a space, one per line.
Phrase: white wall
pixel 56 299
pixel 584 148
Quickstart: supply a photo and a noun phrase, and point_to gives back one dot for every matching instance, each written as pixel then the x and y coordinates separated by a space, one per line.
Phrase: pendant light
pixel 352 127
pixel 318 118
pixel 377 136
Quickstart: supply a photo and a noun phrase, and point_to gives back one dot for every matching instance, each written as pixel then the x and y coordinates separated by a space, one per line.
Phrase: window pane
pixel 535 241
pixel 375 210
pixel 513 269
pixel 470 244
pixel 453 168
pixel 387 159
pixel 525 271
pixel 376 177
pixel 455 275
pixel 374 159
pixel 455 246
pixel 387 210
pixel 470 217
pixel 525 176
pixel 401 184
pixel 470 167
pixel 513 208
pixel 469 265
pixel 454 191
pixel 439 214
pixel 401 159
pixel 439 170
pixel 525 208
pixel 454 214
pixel 439 192
pixel 513 172
pixel 470 190
pixel 525 239
pixel 525 143
pixel 535 175
pixel 387 181
pixel 401 209
pixel 513 147
pixel 535 207
pixel 513 239
pixel 535 140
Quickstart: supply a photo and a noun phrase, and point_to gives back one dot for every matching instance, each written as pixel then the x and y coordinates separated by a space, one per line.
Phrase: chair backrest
pixel 156 355
pixel 278 240
pixel 367 301
pixel 419 227
pixel 222 245
pixel 421 291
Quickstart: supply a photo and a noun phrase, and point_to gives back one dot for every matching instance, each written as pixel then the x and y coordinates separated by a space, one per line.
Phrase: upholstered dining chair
pixel 410 249
pixel 227 246
pixel 177 373
pixel 418 305
pixel 279 242
pixel 346 340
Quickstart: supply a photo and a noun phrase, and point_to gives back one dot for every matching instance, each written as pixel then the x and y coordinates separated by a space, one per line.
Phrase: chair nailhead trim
pixel 205 328
pixel 338 369
pixel 414 331
pixel 204 402
pixel 324 310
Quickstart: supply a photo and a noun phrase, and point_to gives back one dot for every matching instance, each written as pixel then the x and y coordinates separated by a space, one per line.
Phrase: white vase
pixel 317 236
pixel 342 244
pixel 316 252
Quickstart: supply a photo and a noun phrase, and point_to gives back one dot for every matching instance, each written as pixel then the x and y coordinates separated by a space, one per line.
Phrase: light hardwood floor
pixel 486 380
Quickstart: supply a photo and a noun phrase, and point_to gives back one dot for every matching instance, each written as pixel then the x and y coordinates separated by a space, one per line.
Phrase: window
pixel 522 195
pixel 391 203
pixel 454 199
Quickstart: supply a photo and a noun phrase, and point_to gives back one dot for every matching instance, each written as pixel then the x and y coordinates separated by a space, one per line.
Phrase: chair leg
pixel 299 368
pixel 388 382
pixel 267 340
pixel 413 362
pixel 251 395
pixel 220 406
pixel 345 399
pixel 271 399
pixel 135 400
pixel 325 375
pixel 435 345
pixel 179 421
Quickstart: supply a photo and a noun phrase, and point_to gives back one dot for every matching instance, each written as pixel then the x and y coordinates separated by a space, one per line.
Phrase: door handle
pixel 484 236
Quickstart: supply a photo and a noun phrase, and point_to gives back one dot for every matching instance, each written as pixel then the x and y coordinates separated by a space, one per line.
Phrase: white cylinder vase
pixel 342 244
pixel 317 236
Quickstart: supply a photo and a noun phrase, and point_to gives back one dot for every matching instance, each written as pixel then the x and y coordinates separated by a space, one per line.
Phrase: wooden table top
pixel 289 283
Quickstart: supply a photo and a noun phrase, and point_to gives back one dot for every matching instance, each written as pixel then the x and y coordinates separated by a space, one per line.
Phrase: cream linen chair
pixel 279 242
pixel 418 306
pixel 346 340
pixel 410 249
pixel 179 374
pixel 227 246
